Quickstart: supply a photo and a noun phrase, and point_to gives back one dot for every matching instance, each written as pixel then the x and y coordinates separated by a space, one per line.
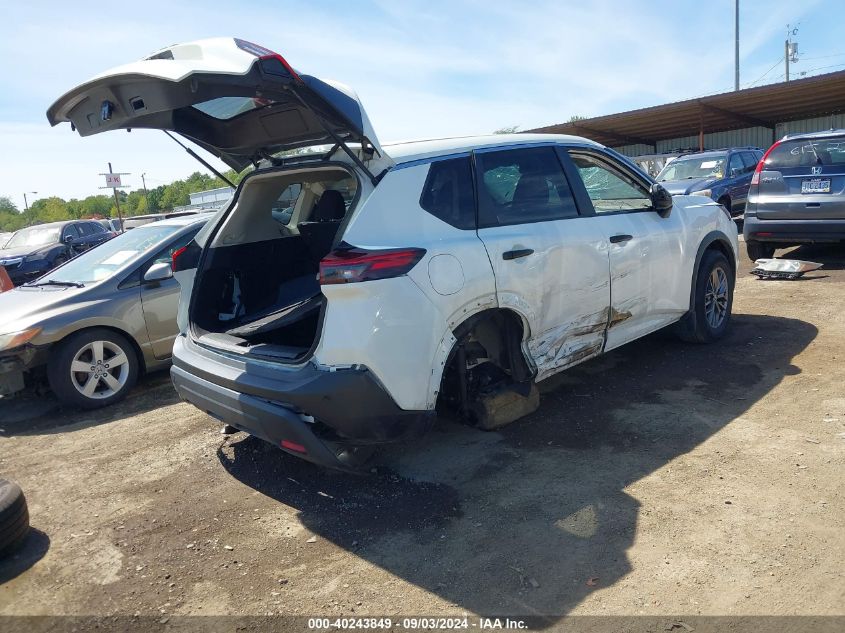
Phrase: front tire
pixel 713 300
pixel 759 250
pixel 93 368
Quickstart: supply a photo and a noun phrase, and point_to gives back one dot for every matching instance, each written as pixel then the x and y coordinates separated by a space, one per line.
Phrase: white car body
pixel 602 272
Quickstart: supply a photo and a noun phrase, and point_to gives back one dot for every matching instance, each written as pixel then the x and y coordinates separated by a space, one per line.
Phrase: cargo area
pixel 258 287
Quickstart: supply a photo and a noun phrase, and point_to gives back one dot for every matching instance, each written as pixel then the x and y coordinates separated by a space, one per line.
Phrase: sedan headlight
pixel 704 192
pixel 16 339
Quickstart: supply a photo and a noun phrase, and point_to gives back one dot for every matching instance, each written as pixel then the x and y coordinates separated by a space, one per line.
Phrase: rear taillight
pixel 755 179
pixel 186 257
pixel 352 265
pixel 293 446
pixel 265 54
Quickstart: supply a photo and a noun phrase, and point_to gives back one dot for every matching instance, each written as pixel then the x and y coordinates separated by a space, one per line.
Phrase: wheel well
pixel 142 366
pixel 493 339
pixel 720 247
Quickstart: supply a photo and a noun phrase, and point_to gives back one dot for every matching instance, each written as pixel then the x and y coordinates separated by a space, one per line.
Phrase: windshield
pixel 35 236
pixel 806 152
pixel 103 261
pixel 693 167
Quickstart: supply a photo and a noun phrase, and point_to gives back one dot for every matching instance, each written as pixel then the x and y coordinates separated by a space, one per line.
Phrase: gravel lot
pixel 660 479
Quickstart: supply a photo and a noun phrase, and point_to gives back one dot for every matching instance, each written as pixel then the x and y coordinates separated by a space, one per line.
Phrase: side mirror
pixel 68 239
pixel 736 171
pixel 661 200
pixel 158 272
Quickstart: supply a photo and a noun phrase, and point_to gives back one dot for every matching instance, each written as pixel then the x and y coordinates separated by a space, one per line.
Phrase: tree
pixel 7 206
pixel 507 130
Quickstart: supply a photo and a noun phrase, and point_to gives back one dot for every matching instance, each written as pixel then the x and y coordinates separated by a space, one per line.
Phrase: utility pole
pixel 736 45
pixel 146 194
pixel 790 49
pixel 25 203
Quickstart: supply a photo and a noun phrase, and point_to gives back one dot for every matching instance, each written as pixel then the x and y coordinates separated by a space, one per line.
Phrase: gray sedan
pixel 98 321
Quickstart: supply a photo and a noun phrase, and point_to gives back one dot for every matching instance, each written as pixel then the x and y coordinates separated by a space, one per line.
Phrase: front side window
pixel 610 189
pixel 694 167
pixel 735 166
pixel 521 186
pixel 448 192
pixel 750 159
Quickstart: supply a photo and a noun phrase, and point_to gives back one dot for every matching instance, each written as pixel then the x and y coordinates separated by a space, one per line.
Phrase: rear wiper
pixel 54 282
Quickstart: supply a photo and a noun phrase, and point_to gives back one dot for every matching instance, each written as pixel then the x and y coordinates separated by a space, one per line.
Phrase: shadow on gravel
pixel 33 550
pixel 531 520
pixel 32 413
pixel 831 256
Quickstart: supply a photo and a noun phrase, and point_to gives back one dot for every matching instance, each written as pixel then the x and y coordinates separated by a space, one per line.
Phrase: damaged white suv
pixel 345 294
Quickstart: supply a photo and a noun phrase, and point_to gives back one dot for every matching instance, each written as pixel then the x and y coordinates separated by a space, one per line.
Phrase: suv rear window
pixel 448 193
pixel 806 152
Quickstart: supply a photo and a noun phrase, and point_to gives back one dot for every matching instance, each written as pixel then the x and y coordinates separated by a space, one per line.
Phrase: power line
pixel 775 65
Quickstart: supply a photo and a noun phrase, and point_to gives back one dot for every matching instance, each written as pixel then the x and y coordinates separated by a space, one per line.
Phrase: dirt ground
pixel 663 478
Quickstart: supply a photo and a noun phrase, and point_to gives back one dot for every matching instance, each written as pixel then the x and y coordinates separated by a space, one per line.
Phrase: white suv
pixel 345 294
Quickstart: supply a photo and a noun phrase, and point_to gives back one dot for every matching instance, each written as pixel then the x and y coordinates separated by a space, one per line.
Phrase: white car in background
pixel 406 277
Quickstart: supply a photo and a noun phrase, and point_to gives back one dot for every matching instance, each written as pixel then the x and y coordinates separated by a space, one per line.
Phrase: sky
pixel 423 68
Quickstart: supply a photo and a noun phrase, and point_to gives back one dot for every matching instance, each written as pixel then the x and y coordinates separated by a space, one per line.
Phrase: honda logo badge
pixel 817 171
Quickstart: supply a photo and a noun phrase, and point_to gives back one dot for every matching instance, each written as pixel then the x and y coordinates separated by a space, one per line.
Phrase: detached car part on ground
pixel 97 322
pixel 344 295
pixel 36 250
pixel 797 194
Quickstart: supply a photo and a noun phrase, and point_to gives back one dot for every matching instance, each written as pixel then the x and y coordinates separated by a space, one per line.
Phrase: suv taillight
pixel 755 179
pixel 350 265
pixel 186 257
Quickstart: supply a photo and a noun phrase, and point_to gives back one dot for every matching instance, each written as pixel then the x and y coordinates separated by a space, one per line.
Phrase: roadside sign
pixel 112 180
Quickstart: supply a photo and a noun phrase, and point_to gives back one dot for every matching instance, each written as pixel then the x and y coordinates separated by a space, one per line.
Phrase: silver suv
pixel 797 194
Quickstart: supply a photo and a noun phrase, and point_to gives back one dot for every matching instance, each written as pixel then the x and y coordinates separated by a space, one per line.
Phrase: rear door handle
pixel 618 239
pixel 522 252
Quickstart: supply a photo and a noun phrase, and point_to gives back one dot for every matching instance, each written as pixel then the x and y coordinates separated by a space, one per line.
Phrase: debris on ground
pixel 783 268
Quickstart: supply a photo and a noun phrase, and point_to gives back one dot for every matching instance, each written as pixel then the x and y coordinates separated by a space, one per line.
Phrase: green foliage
pixel 162 198
pixel 507 130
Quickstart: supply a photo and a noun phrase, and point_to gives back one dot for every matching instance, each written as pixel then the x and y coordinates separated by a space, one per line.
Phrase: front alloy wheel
pixel 93 368
pixel 99 370
pixel 716 296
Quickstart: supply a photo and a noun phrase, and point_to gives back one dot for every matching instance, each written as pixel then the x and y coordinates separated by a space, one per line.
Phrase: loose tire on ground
pixel 81 350
pixel 714 292
pixel 759 250
pixel 14 517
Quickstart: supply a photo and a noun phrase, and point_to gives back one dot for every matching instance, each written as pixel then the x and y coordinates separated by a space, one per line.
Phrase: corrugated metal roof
pixel 764 106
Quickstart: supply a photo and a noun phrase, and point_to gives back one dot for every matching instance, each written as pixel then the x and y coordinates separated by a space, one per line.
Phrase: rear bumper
pixel 793 231
pixel 350 406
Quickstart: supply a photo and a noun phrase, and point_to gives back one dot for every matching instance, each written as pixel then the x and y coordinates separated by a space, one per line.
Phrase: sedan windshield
pixel 693 167
pixel 103 261
pixel 35 236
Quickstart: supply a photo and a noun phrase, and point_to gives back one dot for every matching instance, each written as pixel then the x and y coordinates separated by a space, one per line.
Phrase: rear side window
pixel 807 152
pixel 85 228
pixel 521 186
pixel 96 227
pixel 448 193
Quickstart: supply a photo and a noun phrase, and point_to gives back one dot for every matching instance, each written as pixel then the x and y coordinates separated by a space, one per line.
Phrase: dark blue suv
pixel 723 175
